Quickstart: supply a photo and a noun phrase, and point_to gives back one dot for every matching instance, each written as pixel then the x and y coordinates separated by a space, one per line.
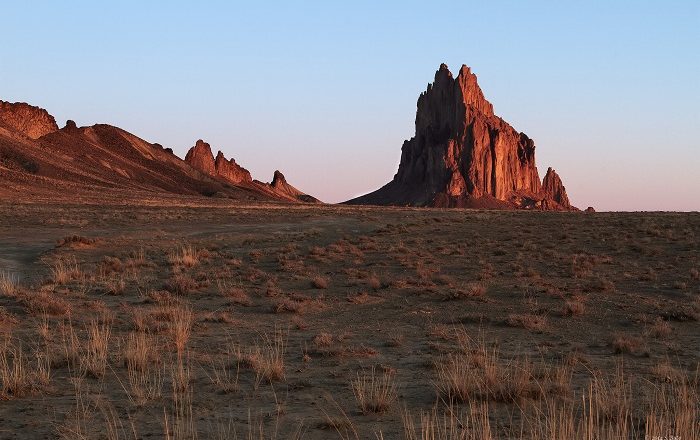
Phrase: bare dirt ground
pixel 347 322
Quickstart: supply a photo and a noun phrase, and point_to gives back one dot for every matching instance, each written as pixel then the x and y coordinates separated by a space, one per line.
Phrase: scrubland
pixel 321 322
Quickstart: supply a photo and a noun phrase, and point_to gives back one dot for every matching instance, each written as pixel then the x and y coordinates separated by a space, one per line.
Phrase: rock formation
pixel 280 186
pixel 33 122
pixel 230 170
pixel 462 155
pixel 201 158
pixel 554 190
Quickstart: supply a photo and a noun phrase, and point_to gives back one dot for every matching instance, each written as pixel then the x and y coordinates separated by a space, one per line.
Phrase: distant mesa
pixel 464 156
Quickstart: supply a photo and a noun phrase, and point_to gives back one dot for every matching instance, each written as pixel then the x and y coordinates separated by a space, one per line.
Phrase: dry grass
pixel 626 344
pixel 477 371
pixel 266 358
pixel 528 321
pixel 660 329
pixel 15 376
pixel 8 284
pixel 97 350
pixel 235 294
pixel 573 307
pixel 319 282
pixel 184 255
pixel 182 319
pixel 450 423
pixel 65 270
pixel 471 290
pixel 46 303
pixel 374 391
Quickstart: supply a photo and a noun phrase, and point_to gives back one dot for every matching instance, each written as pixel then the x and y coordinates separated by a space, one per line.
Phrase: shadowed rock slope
pixel 463 155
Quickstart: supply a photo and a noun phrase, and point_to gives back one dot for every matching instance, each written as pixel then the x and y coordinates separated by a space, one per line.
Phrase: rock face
pixel 230 170
pixel 33 122
pixel 201 158
pixel 462 155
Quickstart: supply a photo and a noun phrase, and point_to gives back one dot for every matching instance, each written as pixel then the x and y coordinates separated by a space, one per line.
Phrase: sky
pixel 326 91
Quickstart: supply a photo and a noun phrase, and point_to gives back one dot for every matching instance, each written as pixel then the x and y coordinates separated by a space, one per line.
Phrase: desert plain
pixel 198 320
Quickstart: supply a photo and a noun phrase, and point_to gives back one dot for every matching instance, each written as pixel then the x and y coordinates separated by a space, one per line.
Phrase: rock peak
pixel 278 178
pixel 70 125
pixel 463 155
pixel 554 189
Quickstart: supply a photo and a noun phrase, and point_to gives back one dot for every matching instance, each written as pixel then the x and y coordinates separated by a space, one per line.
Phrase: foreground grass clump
pixel 374 391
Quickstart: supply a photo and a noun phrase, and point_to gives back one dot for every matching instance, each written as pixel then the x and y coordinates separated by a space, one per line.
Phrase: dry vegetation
pixel 266 322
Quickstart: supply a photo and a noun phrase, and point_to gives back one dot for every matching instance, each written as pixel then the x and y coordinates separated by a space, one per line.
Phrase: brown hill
pixel 101 163
pixel 462 155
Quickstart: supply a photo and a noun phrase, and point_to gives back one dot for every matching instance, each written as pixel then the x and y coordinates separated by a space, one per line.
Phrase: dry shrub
pixel 323 340
pixel 600 284
pixel 471 290
pixel 452 423
pixel 115 285
pixel 695 274
pixel 666 372
pixel 573 307
pixel 235 294
pixel 96 352
pixel 46 303
pixel 145 383
pixel 528 321
pixel 181 284
pixel 360 298
pixel 15 375
pixel 182 319
pixel 184 255
pixel 76 241
pixel 660 328
pixel 140 351
pixel 287 305
pixel 319 282
pixel 611 408
pixel 8 284
pixel 110 265
pixel 374 282
pixel 374 391
pixel 477 371
pixel 65 270
pixel 223 377
pixel 626 344
pixel 266 358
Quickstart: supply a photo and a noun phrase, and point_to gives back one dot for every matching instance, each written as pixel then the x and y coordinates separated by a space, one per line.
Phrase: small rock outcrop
pixel 280 186
pixel 463 155
pixel 554 190
pixel 33 122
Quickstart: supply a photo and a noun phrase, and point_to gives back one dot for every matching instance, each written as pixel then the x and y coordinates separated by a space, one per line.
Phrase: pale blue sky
pixel 326 91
